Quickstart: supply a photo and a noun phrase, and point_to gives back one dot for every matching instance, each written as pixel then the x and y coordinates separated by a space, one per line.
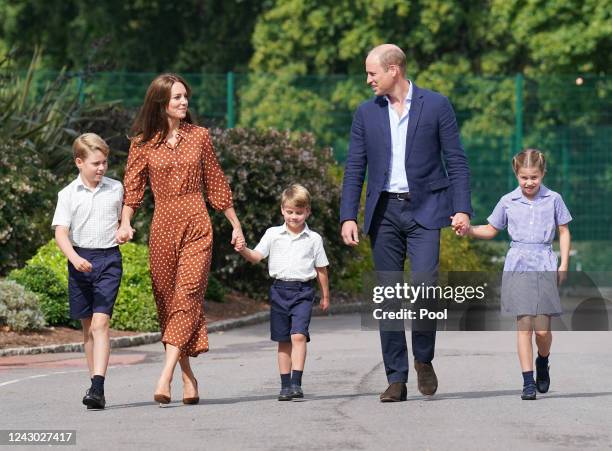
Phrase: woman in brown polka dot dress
pixel 177 159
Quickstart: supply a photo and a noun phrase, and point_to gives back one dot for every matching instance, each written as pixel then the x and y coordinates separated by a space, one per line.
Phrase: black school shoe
pixel 296 392
pixel 529 392
pixel 285 394
pixel 94 400
pixel 542 376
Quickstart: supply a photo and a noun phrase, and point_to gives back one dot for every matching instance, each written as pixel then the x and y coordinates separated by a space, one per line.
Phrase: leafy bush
pixel 26 203
pixel 135 307
pixel 259 166
pixel 47 275
pixel 19 307
pixel 215 291
pixel 36 130
pixel 52 293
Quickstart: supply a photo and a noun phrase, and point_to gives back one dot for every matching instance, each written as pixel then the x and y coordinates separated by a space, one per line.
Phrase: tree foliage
pixel 462 49
pixel 140 35
pixel 35 132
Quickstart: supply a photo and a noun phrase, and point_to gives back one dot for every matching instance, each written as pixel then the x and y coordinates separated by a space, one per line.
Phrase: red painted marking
pixel 63 360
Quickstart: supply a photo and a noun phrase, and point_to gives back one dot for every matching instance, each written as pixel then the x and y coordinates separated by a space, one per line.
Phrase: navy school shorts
pixel 290 309
pixel 95 291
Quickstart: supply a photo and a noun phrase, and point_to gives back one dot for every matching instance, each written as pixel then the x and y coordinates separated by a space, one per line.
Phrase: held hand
pixel 240 245
pixel 460 224
pixel 350 233
pixel 238 240
pixel 81 264
pixel 124 234
pixel 324 304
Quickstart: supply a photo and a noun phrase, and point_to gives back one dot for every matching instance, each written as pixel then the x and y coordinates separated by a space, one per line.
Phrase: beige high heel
pixel 162 399
pixel 195 399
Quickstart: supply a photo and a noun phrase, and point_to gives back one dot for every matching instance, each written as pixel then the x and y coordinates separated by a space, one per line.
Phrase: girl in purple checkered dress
pixel 531 212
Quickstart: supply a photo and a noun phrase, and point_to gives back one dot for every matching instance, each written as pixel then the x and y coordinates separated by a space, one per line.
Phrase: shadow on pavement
pixel 374 395
pixel 496 393
pixel 237 400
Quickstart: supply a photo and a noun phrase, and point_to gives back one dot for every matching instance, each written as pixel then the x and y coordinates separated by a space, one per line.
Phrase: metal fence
pixel 568 117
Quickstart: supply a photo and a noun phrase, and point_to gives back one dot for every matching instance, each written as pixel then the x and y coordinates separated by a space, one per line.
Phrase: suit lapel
pixel 416 106
pixel 385 127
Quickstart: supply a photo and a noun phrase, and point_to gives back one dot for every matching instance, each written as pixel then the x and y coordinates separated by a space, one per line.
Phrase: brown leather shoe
pixel 427 380
pixel 195 399
pixel 394 393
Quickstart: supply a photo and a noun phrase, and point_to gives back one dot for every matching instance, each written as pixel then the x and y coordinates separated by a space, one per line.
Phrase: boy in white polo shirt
pixel 297 257
pixel 85 221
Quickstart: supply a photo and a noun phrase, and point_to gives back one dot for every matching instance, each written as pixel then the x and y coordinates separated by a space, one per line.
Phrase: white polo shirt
pixel 92 215
pixel 292 257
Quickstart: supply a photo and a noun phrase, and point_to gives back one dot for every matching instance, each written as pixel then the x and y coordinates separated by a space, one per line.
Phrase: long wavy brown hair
pixel 152 117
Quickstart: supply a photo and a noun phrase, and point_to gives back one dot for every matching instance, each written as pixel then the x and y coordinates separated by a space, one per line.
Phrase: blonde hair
pixel 529 158
pixel 296 196
pixel 88 143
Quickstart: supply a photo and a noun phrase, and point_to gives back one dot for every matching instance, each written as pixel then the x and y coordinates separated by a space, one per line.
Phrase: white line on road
pixel 36 376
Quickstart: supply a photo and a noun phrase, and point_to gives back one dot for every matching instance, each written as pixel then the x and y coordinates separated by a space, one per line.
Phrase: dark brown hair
pixel 529 158
pixel 152 117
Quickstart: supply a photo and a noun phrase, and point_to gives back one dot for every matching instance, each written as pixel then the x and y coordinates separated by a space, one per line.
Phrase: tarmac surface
pixel 477 405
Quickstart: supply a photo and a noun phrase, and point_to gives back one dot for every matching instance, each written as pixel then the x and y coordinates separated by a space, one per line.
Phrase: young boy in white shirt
pixel 296 258
pixel 85 221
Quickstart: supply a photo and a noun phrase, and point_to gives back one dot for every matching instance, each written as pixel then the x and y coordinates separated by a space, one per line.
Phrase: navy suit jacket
pixel 436 165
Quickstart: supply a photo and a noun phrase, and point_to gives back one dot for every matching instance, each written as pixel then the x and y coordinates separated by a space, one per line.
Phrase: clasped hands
pixel 238 240
pixel 124 234
pixel 460 224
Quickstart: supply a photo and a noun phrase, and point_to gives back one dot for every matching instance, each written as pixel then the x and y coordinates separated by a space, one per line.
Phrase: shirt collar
pixel 181 132
pixel 80 184
pixel 306 230
pixel 408 97
pixel 517 194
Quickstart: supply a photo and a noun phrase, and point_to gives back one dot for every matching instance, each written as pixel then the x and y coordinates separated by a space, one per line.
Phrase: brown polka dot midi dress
pixel 180 245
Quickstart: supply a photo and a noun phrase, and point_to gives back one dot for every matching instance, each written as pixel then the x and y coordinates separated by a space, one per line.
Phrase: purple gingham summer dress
pixel 529 282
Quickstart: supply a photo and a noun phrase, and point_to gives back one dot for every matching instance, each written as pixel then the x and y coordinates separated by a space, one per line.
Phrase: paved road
pixel 477 405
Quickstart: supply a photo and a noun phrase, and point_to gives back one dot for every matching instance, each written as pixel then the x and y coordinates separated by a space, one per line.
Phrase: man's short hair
pixel 390 55
pixel 296 196
pixel 88 143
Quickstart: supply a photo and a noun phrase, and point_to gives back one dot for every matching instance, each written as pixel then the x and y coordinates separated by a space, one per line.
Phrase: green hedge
pixel 46 274
pixel 135 307
pixel 52 293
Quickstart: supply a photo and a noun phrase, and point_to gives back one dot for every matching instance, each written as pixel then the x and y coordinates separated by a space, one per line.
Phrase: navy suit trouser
pixel 394 234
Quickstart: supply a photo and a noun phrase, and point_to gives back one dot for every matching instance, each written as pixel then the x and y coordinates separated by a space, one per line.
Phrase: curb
pixel 154 337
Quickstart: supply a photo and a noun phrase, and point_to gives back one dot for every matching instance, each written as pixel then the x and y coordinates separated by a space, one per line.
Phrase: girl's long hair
pixel 152 117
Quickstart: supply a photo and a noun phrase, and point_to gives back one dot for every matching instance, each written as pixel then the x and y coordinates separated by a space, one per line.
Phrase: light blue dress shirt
pixel 397 181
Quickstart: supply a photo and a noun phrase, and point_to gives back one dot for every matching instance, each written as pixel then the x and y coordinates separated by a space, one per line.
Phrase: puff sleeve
pixel 216 188
pixel 136 175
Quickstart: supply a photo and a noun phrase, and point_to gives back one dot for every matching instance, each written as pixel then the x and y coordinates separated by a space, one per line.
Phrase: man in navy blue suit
pixel 418 182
